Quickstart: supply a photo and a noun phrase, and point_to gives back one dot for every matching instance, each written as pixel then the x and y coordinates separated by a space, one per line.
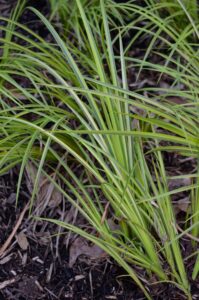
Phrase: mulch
pixel 32 270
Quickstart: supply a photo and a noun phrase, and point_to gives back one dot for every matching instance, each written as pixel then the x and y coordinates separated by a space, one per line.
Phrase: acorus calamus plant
pixel 116 131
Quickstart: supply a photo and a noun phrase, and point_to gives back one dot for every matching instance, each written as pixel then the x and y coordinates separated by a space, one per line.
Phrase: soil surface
pixel 36 264
pixel 32 267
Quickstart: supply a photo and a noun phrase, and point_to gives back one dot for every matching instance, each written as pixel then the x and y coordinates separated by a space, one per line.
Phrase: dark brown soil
pixel 36 272
pixel 42 271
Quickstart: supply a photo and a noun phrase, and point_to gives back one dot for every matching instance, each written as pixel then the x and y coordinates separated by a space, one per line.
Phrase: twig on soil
pixel 6 283
pixel 105 212
pixel 187 234
pixel 51 293
pixel 9 239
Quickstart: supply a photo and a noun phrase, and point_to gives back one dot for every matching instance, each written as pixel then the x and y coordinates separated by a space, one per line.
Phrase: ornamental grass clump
pixel 77 107
pixel 181 12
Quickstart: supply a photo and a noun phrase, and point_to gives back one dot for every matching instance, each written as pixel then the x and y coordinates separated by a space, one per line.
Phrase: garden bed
pixel 41 260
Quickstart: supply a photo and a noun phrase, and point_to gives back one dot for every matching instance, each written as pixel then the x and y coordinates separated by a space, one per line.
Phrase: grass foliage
pixel 70 102
pixel 180 13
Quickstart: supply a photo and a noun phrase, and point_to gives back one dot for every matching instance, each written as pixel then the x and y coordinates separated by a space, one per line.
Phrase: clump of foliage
pixel 181 13
pixel 66 12
pixel 117 137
